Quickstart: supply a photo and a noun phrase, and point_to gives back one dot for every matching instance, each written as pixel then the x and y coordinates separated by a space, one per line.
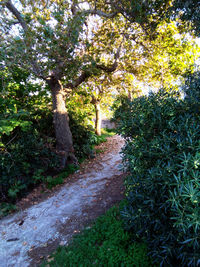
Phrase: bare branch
pixel 74 7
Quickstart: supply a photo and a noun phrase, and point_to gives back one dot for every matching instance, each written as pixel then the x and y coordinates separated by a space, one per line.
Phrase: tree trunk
pixel 130 95
pixel 64 142
pixel 98 119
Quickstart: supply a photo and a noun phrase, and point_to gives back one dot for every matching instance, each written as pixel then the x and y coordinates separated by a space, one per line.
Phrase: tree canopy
pixel 66 43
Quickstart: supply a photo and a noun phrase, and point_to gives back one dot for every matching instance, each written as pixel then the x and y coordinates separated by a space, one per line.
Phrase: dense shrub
pixel 20 160
pixel 26 140
pixel 162 155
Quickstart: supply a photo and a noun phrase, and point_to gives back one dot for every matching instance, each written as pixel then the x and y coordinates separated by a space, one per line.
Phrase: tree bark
pixel 98 119
pixel 64 142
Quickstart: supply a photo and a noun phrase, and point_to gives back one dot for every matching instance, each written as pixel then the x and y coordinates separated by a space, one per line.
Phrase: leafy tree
pixel 101 93
pixel 169 57
pixel 126 84
pixel 49 39
pixel 150 13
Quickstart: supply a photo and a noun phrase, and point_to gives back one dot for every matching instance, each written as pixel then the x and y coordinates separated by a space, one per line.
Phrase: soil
pixel 48 219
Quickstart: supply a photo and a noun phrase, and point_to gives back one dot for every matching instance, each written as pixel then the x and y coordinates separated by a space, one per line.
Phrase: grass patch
pixel 105 133
pixel 106 243
pixel 108 132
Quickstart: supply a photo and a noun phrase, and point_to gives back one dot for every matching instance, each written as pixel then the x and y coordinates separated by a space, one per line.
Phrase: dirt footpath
pixel 27 237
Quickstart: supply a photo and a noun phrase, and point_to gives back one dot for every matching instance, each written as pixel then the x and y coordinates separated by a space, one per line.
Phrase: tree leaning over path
pixel 53 41
pixel 50 38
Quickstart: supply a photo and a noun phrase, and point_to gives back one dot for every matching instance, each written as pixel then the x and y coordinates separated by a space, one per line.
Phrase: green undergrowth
pixel 51 181
pixel 6 208
pixel 105 243
pixel 19 188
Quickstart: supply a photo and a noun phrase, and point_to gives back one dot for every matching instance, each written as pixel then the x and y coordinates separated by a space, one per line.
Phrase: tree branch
pixel 114 66
pixel 35 67
pixel 100 13
pixel 17 14
pixel 84 75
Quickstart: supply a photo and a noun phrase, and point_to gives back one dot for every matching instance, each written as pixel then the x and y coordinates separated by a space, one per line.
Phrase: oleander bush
pixel 162 156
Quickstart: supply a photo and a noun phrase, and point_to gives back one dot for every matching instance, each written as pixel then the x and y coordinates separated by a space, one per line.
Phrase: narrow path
pixel 30 235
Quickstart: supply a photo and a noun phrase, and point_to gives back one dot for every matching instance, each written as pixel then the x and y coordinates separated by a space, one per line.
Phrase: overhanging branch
pixel 114 66
pixel 17 14
pixel 84 75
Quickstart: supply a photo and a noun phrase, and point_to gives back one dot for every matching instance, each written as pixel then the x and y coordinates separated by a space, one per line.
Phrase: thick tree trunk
pixel 64 142
pixel 98 118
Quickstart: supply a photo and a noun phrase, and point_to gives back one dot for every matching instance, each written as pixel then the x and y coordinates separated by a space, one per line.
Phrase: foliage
pixel 172 55
pixel 147 13
pixel 26 145
pixel 81 124
pixel 188 10
pixel 105 243
pixel 59 179
pixel 97 140
pixel 27 142
pixel 6 208
pixel 150 13
pixel 82 135
pixel 165 59
pixel 20 159
pixel 162 151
